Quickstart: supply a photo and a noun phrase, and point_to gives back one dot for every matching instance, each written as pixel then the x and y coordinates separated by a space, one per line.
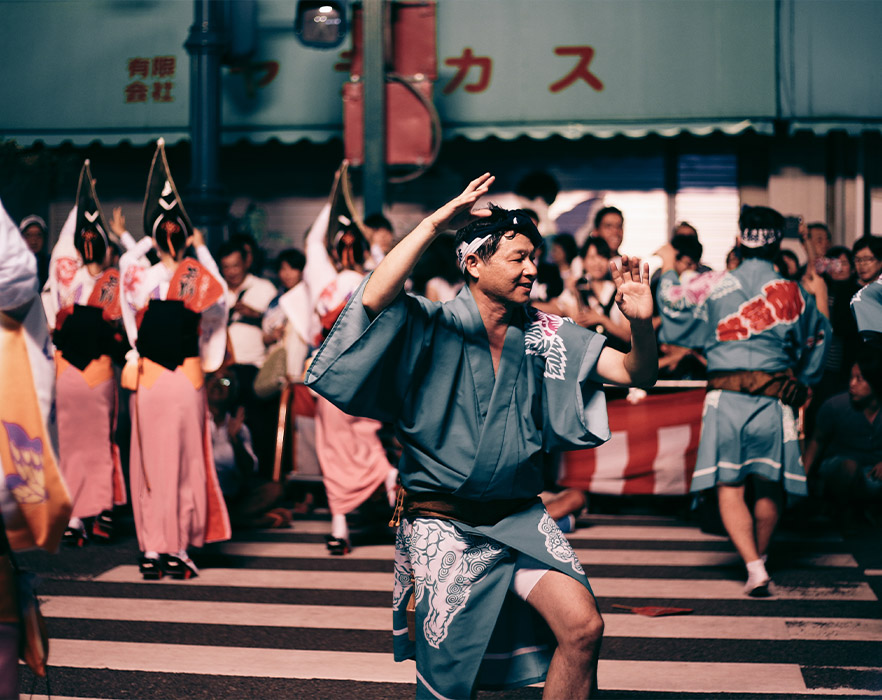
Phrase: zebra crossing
pixel 273 613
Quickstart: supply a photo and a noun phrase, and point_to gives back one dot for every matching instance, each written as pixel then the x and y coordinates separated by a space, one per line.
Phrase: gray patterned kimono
pixel 426 367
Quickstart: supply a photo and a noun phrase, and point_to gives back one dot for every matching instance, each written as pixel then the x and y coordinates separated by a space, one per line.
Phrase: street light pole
pixel 374 170
pixel 205 199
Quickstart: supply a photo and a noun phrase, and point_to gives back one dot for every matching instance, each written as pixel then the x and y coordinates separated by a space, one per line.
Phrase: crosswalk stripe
pixel 326 621
pixel 702 589
pixel 628 557
pixel 232 661
pixel 202 612
pixel 635 676
pixel 680 534
pixel 361 618
pixel 702 677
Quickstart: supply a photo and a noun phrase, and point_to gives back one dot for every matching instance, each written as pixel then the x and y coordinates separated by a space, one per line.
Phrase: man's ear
pixel 473 265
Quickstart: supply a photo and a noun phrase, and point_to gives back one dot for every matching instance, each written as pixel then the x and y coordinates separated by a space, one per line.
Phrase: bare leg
pixel 737 520
pixel 570 611
pixel 766 511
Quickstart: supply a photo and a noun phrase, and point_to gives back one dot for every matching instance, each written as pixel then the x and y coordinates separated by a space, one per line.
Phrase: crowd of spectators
pixel 573 280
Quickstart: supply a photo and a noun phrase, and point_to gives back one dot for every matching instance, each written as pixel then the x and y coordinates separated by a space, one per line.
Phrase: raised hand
pixel 117 222
pixel 633 294
pixel 458 211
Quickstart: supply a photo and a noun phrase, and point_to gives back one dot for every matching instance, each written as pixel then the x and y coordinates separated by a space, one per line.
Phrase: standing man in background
pixel 248 297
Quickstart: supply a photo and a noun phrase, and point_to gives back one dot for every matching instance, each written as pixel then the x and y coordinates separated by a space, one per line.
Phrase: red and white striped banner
pixel 652 449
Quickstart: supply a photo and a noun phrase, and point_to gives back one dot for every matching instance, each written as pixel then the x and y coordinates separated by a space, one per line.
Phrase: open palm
pixel 458 211
pixel 633 295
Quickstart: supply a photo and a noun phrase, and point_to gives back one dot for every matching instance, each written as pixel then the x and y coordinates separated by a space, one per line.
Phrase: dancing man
pixel 477 388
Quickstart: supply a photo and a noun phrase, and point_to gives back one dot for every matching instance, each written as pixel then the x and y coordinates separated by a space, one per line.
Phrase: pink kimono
pixel 351 456
pixel 86 391
pixel 176 498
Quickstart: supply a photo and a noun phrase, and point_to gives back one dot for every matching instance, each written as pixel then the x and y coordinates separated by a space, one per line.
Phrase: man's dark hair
pixel 598 217
pixel 228 248
pixel 599 244
pixel 821 224
pixel 246 240
pixel 869 360
pixel 684 224
pixel 293 257
pixel 377 220
pixel 489 225
pixel 686 244
pixel 838 250
pixel 873 243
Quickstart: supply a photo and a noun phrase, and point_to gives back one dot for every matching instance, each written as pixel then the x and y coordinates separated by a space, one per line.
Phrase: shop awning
pixel 114 72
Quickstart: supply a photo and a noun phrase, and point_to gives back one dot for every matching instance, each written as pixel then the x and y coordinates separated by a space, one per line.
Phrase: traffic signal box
pixel 411 68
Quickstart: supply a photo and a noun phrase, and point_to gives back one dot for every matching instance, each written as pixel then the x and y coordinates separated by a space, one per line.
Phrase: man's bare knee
pixel 584 632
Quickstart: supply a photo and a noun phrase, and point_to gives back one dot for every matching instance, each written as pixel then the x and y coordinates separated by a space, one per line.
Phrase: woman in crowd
pixel 564 253
pixel 868 259
pixel 597 297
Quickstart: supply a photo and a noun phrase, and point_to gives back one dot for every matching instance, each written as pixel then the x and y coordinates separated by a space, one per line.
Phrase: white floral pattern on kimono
pixel 541 338
pixel 558 545
pixel 446 564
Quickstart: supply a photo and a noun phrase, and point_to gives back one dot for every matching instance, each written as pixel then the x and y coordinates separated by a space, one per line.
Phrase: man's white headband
pixel 758 237
pixel 466 249
pixel 515 220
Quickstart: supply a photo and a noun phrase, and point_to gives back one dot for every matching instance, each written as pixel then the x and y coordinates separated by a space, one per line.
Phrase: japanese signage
pixel 151 78
pixel 119 70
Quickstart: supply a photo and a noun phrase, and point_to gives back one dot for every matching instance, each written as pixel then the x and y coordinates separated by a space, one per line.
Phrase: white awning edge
pixel 577 130
pixel 507 132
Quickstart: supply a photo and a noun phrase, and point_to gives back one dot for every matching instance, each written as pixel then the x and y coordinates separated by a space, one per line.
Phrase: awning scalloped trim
pixel 506 132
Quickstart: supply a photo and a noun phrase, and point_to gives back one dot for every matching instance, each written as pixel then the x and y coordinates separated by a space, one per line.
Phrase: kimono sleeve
pixel 364 367
pixel 574 403
pixel 213 324
pixel 18 266
pixel 682 305
pixel 132 269
pixel 815 332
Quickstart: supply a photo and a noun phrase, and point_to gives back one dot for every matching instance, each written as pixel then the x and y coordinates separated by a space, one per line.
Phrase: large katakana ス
pixel 580 71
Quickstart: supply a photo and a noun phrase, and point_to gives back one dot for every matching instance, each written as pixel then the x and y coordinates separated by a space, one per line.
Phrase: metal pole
pixel 374 173
pixel 205 199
